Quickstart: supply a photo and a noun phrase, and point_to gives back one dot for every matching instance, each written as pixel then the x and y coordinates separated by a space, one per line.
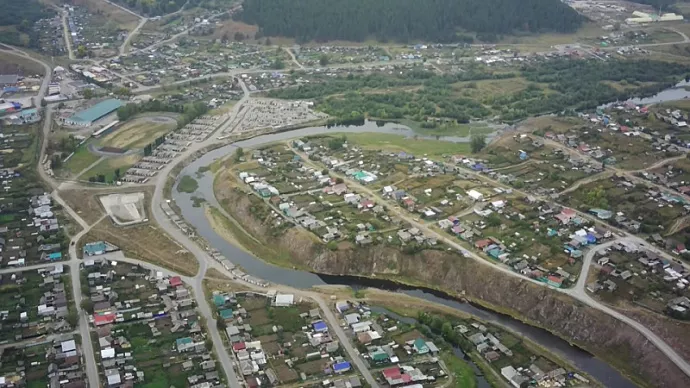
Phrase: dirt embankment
pixel 606 337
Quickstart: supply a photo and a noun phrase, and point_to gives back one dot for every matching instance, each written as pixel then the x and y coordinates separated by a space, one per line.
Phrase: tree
pixel 88 94
pixel 324 60
pixel 87 305
pixel 267 42
pixel 81 51
pixel 239 154
pixel 72 318
pixel 477 143
pixel 239 36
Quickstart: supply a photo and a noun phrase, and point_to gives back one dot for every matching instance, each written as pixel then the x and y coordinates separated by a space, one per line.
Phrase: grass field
pixel 108 166
pixel 146 242
pixel 136 134
pixel 460 130
pixel 81 159
pixel 14 64
pixel 395 143
pixel 123 18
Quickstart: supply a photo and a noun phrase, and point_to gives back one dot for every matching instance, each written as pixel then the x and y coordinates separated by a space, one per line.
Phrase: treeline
pixel 155 7
pixel 21 16
pixel 188 112
pixel 405 20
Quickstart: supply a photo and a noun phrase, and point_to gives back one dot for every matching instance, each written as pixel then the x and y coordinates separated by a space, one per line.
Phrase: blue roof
pixel 94 247
pixel 97 111
pixel 320 326
pixel 341 366
pixel 55 256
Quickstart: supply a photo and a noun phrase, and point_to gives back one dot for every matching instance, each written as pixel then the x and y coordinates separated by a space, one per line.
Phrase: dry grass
pixel 146 242
pixel 123 18
pixel 86 204
pixel 136 134
pixel 230 27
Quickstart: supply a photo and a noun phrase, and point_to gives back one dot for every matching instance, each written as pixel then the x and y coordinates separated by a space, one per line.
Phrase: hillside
pixel 17 18
pixel 404 20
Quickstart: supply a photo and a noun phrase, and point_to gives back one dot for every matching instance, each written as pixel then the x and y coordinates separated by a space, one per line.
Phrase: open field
pixel 108 167
pixel 123 18
pixel 13 64
pixel 81 159
pixel 138 133
pixel 147 243
pixel 431 148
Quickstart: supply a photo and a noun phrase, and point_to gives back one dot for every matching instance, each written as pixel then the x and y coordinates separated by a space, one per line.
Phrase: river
pixel 674 93
pixel 301 279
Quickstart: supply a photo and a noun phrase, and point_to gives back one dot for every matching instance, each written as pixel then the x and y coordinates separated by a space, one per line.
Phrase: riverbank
pixel 600 333
pixel 421 273
pixel 403 304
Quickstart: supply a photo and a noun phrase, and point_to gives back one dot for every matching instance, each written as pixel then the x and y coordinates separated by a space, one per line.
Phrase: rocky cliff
pixel 604 336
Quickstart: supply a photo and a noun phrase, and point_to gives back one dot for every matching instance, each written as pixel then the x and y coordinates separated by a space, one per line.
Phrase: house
pixel 103 319
pixel 341 367
pixel 284 300
pixel 420 346
pixel 320 326
pixel 175 281
pixel 475 195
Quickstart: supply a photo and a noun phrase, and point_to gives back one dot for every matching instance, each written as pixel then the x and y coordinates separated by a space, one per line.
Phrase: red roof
pixel 568 212
pixel 100 320
pixel 406 378
pixel 392 373
pixel 482 243
pixel 238 346
pixel 175 281
pixel 555 279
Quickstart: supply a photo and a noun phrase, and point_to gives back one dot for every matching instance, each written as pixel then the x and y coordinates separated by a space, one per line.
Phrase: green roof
pixel 381 356
pixel 226 313
pixel 97 111
pixel 219 300
pixel 420 345
pixel 183 341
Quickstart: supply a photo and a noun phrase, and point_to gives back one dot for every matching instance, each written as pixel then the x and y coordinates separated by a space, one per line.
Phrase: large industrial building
pixel 644 18
pixel 89 116
pixel 8 80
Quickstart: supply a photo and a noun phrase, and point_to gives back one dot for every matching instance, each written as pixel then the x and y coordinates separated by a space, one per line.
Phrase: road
pixel 231 73
pixel 575 293
pixel 132 34
pixel 294 58
pixel 68 39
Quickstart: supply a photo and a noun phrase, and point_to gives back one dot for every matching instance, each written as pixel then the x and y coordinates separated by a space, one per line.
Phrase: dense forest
pixel 19 17
pixel 404 20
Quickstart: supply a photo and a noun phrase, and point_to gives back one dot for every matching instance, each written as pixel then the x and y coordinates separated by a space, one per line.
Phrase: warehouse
pixel 9 107
pixel 8 80
pixel 87 117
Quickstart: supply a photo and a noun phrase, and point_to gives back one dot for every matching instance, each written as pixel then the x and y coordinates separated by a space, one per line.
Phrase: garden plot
pixel 147 329
pixel 277 339
pixel 35 303
pixel 635 207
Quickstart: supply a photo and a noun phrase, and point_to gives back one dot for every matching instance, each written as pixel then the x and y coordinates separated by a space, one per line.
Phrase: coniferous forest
pixel 405 20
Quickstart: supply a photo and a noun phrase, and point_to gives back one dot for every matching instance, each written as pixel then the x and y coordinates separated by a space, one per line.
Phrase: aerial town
pixel 226 194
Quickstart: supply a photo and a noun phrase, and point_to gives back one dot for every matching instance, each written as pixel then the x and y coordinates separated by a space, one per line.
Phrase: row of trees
pixel 188 112
pixel 404 20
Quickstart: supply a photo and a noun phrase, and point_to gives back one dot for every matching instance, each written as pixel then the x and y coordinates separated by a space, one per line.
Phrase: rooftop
pixel 97 111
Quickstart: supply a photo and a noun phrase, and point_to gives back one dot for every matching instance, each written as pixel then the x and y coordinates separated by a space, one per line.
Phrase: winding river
pixel 302 279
